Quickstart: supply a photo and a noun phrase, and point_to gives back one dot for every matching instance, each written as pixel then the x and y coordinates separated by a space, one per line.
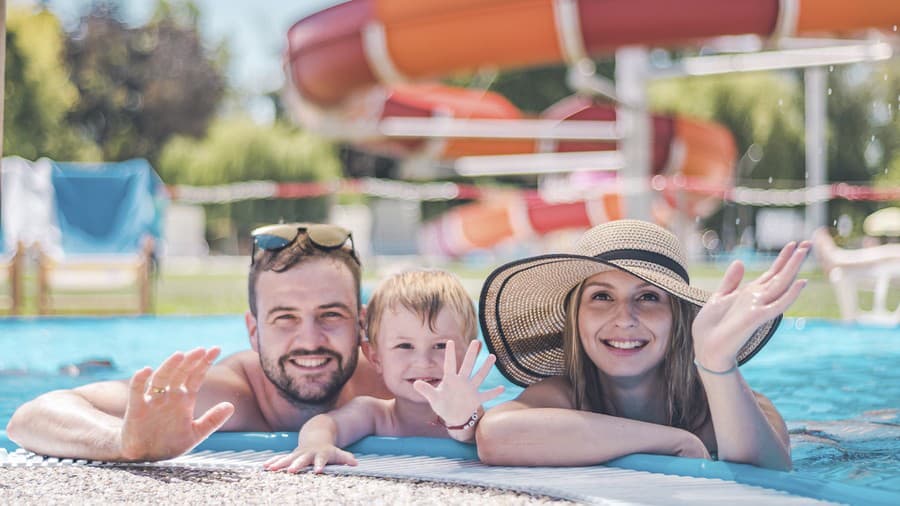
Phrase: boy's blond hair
pixel 425 293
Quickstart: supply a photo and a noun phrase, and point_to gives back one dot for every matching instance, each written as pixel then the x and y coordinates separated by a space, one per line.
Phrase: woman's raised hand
pixel 730 316
pixel 457 396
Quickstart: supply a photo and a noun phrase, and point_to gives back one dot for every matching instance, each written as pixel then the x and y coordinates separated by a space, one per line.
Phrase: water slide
pixel 356 65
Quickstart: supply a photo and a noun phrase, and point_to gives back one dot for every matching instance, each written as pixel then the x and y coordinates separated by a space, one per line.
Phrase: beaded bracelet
pixel 717 373
pixel 467 425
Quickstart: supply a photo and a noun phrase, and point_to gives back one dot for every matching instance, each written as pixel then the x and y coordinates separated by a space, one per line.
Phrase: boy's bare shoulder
pixel 379 411
pixel 369 403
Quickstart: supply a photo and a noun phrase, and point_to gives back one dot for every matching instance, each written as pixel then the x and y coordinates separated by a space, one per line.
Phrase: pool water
pixel 838 386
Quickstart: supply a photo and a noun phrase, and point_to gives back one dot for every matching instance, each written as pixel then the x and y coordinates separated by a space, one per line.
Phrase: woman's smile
pixel 625 346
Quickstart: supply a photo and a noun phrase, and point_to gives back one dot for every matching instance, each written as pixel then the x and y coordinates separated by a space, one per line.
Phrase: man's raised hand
pixel 159 418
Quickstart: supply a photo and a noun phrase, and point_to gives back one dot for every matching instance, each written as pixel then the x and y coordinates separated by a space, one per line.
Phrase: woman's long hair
pixel 686 404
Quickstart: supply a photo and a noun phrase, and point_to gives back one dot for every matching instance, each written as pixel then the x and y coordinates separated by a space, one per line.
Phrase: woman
pixel 621 355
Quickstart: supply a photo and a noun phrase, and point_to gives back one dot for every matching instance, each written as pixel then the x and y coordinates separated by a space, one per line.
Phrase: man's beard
pixel 305 391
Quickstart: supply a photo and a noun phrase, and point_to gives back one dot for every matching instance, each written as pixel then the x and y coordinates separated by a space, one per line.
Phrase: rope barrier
pixel 442 191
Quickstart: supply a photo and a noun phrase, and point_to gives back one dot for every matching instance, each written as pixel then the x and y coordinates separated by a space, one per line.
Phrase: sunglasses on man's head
pixel 282 235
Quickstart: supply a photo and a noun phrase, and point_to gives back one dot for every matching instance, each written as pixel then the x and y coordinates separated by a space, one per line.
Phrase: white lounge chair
pixel 862 270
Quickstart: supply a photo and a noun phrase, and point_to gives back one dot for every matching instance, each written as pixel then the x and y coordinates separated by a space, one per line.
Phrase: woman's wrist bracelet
pixel 717 373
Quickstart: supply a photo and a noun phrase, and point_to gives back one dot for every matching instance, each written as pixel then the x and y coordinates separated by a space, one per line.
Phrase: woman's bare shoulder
pixel 773 416
pixel 553 392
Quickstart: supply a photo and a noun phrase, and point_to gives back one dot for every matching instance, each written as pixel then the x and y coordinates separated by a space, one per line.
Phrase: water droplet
pixel 831 68
pixel 895 28
pixel 755 152
pixel 800 323
pixel 834 223
pixel 780 102
pixel 829 91
pixel 770 179
pixel 737 221
pixel 872 139
pixel 885 170
pixel 885 77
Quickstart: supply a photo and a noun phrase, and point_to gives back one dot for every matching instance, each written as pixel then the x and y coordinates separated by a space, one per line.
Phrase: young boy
pixel 418 324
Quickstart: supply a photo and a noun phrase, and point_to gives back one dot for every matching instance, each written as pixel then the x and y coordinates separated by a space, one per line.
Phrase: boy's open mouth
pixel 431 381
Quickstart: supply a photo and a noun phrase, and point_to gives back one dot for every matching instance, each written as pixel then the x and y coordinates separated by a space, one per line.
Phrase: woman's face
pixel 624 324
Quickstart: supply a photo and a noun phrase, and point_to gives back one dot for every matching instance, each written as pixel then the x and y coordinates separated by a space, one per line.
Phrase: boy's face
pixel 408 350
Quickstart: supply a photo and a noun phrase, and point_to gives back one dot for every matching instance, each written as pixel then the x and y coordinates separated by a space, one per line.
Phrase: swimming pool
pixel 837 385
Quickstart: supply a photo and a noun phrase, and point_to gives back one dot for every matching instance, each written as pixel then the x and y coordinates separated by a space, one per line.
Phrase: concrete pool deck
pixel 169 485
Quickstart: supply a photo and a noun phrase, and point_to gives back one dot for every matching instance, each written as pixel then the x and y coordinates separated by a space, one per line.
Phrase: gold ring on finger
pixel 158 390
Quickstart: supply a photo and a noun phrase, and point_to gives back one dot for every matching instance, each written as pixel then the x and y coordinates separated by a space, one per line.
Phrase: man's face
pixel 306 330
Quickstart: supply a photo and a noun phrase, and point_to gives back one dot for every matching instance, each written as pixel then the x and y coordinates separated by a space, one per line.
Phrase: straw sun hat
pixel 521 308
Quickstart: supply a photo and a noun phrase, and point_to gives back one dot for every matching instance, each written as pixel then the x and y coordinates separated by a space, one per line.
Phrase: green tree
pixel 39 94
pixel 237 150
pixel 862 108
pixel 140 86
pixel 761 109
pixel 764 112
pixel 532 89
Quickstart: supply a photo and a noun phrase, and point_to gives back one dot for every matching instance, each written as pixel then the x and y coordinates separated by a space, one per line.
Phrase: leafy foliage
pixel 766 109
pixel 38 92
pixel 139 86
pixel 532 89
pixel 236 149
pixel 761 109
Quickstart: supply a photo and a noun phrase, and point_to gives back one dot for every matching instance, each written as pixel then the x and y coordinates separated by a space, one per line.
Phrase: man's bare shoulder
pixel 365 381
pixel 240 361
pixel 233 379
pixel 234 371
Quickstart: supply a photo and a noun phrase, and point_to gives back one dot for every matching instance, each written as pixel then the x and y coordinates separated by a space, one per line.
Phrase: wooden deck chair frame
pixel 89 297
pixel 14 271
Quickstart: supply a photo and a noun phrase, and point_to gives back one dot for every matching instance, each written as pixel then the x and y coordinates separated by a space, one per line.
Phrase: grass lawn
pixel 200 293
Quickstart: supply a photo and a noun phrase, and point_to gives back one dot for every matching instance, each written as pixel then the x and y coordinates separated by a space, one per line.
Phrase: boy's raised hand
pixel 457 396
pixel 304 456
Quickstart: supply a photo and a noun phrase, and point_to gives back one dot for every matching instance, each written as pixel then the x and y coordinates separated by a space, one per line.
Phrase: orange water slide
pixel 682 147
pixel 353 45
pixel 352 62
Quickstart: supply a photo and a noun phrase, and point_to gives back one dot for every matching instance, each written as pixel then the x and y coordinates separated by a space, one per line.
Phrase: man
pixel 305 326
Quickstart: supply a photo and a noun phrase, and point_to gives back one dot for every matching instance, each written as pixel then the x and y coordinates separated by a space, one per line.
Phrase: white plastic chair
pixel 852 272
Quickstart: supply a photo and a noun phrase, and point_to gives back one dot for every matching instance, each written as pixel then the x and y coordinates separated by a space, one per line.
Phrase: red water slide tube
pixel 353 45
pixel 336 57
